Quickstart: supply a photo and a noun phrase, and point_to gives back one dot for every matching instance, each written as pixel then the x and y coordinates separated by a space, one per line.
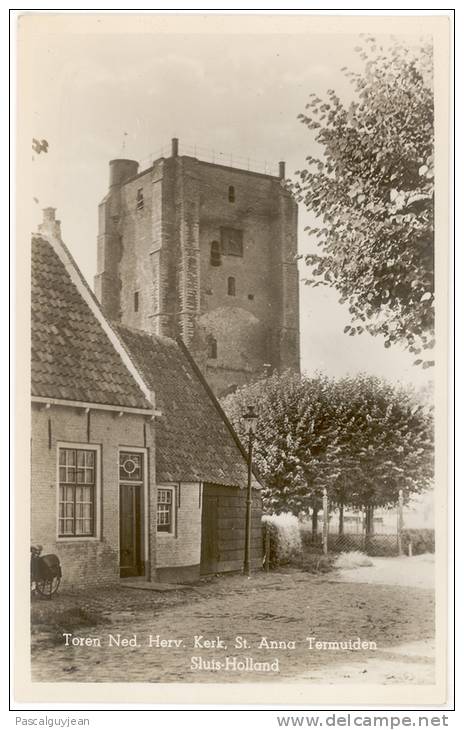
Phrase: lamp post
pixel 251 419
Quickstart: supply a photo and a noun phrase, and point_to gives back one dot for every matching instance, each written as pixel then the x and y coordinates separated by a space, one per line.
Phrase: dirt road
pixel 417 572
pixel 319 625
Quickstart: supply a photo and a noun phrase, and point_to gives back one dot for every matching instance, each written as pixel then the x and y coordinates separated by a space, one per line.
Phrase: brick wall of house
pixel 86 560
pixel 179 553
pixel 182 546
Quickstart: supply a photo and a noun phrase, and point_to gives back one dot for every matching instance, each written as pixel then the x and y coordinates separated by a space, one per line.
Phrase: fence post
pixel 325 521
pixel 366 528
pixel 314 520
pixel 267 547
pixel 400 522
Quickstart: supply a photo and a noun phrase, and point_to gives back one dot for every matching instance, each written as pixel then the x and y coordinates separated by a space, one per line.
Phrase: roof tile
pixel 193 442
pixel 72 356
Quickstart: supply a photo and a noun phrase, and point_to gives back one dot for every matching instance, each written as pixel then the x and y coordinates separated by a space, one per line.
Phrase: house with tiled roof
pixel 135 469
pixel 199 460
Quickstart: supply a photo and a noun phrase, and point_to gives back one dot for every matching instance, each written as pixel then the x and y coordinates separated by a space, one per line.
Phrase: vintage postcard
pixel 231 453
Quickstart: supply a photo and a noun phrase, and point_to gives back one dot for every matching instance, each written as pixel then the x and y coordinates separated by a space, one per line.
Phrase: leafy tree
pixel 384 444
pixel 359 437
pixel 371 191
pixel 293 435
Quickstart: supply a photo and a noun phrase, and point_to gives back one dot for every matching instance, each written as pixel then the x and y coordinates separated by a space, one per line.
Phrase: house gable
pixel 74 358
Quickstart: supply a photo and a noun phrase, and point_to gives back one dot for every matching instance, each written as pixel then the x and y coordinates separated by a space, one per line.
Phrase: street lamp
pixel 251 419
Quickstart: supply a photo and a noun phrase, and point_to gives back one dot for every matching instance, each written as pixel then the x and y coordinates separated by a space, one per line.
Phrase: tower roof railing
pixel 215 156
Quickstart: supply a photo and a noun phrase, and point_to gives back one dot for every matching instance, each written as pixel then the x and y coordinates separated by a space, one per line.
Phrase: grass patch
pixel 315 563
pixel 422 541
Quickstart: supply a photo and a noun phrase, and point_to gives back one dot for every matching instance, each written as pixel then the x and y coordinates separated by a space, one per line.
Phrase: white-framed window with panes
pixel 165 509
pixel 78 478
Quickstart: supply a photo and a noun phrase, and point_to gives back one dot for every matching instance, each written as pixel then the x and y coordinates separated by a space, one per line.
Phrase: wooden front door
pixel 209 534
pixel 130 530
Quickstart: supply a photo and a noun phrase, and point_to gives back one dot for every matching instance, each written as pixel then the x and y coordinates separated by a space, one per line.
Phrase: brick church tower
pixel 203 252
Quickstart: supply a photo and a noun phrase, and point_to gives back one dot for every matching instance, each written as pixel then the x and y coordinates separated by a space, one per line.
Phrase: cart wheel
pixel 46 588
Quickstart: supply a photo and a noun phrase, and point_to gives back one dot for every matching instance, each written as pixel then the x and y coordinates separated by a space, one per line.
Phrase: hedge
pixel 285 539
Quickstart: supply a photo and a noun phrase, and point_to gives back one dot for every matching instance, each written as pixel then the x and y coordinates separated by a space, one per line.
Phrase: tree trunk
pixel 369 525
pixel 369 520
pixel 341 526
pixel 314 520
pixel 325 523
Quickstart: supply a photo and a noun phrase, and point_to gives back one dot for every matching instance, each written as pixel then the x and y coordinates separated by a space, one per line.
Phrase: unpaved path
pixel 285 607
pixel 417 571
pixel 412 663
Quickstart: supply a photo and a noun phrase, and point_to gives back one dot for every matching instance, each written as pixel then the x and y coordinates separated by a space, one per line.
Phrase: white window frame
pixel 173 489
pixel 96 448
pixel 145 516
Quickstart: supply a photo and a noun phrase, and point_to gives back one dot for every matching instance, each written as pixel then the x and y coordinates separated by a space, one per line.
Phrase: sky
pixel 95 97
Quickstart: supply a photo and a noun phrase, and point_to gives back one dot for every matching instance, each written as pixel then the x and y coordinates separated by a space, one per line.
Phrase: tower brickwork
pixel 206 253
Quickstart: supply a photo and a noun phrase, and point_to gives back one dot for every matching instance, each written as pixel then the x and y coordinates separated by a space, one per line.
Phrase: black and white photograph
pixel 232 257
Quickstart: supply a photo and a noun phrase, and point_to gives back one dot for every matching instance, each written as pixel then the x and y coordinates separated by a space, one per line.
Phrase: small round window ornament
pixel 129 465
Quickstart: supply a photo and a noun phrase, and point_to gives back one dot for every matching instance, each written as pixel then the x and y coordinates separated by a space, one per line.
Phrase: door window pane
pixel 130 466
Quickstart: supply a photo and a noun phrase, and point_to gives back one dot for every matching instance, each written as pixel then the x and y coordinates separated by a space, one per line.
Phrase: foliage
pixel 375 545
pixel 348 542
pixel 384 443
pixel 294 431
pixel 306 532
pixel 39 146
pixel 422 540
pixel 285 540
pixel 359 437
pixel 372 194
pixel 313 563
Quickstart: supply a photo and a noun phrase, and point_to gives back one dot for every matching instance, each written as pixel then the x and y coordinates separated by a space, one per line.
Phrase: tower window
pixel 232 242
pixel 231 194
pixel 212 348
pixel 215 255
pixel 139 199
pixel 251 297
pixel 136 301
pixel 231 286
